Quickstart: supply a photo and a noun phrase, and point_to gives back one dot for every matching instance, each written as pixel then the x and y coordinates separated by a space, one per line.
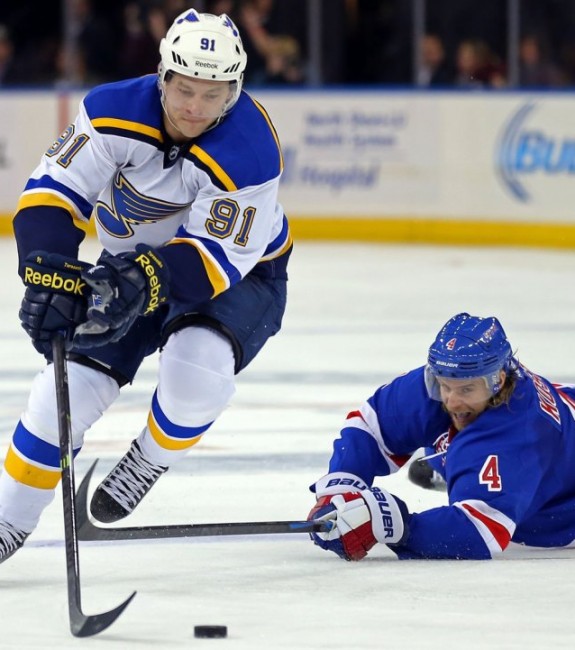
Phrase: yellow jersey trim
pixel 218 281
pixel 272 129
pixel 36 199
pixel 218 172
pixel 127 125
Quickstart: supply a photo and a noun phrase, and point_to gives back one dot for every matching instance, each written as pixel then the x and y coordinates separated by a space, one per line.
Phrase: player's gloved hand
pixel 55 300
pixel 124 287
pixel 361 519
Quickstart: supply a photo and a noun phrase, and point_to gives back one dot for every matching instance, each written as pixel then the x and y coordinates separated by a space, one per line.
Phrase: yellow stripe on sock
pixel 28 474
pixel 169 443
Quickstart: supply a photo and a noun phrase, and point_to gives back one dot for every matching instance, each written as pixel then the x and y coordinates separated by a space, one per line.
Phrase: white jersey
pixel 217 193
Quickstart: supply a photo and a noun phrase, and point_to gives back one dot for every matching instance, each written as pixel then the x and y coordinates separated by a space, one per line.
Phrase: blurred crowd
pixel 363 42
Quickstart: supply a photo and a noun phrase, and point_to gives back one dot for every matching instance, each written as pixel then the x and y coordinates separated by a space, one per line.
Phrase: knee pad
pixel 196 379
pixel 91 393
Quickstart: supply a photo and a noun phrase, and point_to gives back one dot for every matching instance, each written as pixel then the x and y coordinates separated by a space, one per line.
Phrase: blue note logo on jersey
pixel 129 208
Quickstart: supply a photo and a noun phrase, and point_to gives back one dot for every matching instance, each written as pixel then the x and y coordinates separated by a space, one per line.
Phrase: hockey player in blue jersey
pixel 505 438
pixel 180 172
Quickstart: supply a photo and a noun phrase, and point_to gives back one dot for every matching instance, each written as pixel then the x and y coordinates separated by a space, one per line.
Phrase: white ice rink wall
pixel 449 167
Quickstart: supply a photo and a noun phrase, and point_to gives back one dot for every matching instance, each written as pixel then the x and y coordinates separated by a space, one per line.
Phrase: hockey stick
pixel 80 624
pixel 87 531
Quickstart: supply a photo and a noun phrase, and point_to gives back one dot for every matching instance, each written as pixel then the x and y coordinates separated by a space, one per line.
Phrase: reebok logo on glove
pixel 150 264
pixel 66 280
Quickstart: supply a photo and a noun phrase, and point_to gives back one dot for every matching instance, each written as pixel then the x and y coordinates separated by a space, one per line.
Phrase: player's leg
pixel 196 382
pixel 32 466
pixel 31 469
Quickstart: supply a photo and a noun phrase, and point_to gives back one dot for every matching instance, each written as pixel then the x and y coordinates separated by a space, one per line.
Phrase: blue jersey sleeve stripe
pixel 48 183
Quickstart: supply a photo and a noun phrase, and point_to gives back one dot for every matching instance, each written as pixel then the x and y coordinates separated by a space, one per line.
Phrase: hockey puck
pixel 210 631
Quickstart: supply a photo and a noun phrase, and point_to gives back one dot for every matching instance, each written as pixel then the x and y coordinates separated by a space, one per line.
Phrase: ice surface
pixel 357 316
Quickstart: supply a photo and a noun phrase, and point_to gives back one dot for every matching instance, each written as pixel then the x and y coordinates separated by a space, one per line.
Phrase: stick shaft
pixel 80 624
pixel 87 531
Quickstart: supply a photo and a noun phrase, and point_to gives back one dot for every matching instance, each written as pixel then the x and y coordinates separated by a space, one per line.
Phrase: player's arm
pixel 456 533
pixel 471 530
pixel 362 515
pixel 478 524
pixel 59 196
pixel 380 437
pixel 62 236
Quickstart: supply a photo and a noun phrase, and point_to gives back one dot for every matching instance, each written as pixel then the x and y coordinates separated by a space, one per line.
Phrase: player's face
pixel 464 399
pixel 192 105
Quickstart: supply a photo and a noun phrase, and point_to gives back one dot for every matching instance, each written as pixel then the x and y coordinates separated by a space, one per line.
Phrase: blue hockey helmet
pixel 468 347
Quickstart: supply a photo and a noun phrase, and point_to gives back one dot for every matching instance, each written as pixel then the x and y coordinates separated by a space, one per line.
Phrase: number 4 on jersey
pixel 489 474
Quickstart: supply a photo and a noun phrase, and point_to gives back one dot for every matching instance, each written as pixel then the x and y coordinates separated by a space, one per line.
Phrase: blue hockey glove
pixel 361 520
pixel 55 299
pixel 124 287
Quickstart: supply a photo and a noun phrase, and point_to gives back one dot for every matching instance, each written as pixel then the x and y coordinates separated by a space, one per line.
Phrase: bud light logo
pixel 525 151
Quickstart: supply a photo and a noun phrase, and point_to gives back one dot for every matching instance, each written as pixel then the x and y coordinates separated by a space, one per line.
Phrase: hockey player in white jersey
pixel 180 172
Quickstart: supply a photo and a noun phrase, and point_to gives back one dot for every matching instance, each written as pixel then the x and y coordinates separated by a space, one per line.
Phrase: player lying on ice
pixel 505 438
pixel 181 173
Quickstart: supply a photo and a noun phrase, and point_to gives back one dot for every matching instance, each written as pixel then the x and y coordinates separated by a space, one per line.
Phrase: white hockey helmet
pixel 204 46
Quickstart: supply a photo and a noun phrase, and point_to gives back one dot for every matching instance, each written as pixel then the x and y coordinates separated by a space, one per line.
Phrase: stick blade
pixel 83 626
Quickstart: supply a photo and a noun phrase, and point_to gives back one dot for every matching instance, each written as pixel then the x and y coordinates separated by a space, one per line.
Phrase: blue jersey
pixel 510 474
pixel 211 203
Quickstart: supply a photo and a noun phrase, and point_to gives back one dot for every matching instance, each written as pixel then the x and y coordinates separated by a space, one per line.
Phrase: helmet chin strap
pixel 163 102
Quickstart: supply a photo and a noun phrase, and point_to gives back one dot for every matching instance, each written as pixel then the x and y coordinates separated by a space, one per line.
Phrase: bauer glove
pixel 123 287
pixel 361 520
pixel 55 300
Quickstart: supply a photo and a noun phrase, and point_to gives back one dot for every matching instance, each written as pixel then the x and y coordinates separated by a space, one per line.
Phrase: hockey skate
pixel 125 486
pixel 421 473
pixel 11 539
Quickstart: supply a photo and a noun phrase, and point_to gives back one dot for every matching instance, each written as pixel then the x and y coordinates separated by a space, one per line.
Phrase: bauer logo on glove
pixel 362 519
